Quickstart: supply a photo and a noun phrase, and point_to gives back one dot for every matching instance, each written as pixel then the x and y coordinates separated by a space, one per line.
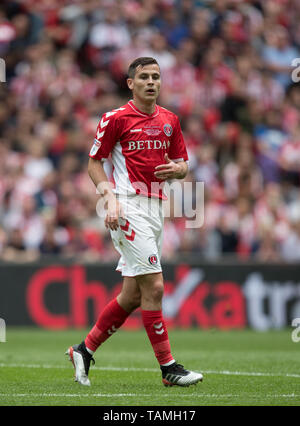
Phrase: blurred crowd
pixel 227 71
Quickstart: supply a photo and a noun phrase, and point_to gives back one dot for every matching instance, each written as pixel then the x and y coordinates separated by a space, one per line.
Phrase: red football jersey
pixel 138 142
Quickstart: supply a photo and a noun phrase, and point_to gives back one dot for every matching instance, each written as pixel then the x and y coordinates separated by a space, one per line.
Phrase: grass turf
pixel 239 367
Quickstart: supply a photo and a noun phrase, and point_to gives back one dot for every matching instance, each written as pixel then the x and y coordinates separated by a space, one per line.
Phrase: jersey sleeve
pixel 177 150
pixel 105 138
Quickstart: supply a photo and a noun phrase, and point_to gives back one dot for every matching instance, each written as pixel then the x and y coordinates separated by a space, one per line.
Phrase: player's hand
pixel 114 211
pixel 169 170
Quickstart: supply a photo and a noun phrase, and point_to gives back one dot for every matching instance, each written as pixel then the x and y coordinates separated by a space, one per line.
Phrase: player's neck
pixel 148 108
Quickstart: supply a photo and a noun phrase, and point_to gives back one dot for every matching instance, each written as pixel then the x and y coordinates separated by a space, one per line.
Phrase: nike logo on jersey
pixel 136 130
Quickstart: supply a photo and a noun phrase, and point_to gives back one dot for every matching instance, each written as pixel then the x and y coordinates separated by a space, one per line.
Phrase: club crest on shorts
pixel 168 129
pixel 153 259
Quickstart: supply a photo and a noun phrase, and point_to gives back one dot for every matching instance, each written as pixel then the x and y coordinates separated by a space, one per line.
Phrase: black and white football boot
pixel 176 375
pixel 81 360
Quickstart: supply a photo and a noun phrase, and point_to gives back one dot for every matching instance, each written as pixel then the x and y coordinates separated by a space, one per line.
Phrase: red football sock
pixel 157 332
pixel 110 319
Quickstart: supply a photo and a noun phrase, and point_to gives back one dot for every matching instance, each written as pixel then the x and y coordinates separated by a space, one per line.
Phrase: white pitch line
pixel 15 365
pixel 154 370
pixel 120 395
pixel 252 373
pixel 72 395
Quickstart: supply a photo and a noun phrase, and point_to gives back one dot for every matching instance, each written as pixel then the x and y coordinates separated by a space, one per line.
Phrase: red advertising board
pixel 196 295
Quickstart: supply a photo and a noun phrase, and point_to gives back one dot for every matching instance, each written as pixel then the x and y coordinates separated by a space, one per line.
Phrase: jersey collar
pixel 144 114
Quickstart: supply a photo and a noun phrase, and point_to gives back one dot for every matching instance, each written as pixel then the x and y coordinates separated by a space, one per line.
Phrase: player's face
pixel 146 83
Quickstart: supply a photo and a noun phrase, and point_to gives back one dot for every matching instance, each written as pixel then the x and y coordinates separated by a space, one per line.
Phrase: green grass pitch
pixel 239 368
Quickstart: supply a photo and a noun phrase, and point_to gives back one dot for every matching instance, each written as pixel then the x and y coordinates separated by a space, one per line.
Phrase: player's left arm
pixel 171 170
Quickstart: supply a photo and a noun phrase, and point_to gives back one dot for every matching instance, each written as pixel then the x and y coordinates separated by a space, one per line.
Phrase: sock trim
pixel 168 363
pixel 90 350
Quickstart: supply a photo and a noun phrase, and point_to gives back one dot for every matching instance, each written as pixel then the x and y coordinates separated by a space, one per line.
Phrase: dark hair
pixel 140 61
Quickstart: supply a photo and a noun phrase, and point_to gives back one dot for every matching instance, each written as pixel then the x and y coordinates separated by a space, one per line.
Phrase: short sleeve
pixel 177 150
pixel 105 138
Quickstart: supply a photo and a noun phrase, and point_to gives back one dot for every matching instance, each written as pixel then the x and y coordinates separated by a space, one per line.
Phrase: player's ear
pixel 130 83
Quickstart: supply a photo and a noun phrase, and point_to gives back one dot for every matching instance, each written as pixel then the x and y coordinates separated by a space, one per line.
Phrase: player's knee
pixel 157 291
pixel 129 301
pixel 152 288
pixel 135 301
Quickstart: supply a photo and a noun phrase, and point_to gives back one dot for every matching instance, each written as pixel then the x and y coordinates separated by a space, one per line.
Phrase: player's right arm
pixel 105 139
pixel 98 176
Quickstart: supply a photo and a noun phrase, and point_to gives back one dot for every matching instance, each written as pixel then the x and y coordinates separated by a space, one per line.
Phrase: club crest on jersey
pixel 168 129
pixel 153 259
